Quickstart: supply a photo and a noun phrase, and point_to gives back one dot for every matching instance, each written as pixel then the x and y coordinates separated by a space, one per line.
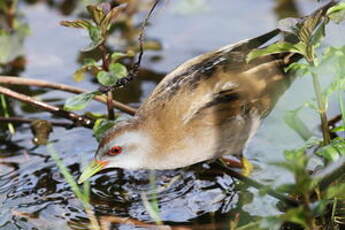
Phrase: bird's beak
pixel 94 167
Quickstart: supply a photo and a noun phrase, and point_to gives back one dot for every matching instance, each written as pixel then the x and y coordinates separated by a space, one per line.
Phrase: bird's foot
pixel 247 167
pixel 244 164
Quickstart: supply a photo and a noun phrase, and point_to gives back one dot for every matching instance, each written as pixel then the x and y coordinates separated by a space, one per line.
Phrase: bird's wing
pixel 186 78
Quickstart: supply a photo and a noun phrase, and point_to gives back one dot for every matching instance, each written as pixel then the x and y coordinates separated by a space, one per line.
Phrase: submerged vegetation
pixel 318 166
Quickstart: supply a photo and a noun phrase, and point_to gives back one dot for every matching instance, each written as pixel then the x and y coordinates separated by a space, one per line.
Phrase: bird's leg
pixel 244 164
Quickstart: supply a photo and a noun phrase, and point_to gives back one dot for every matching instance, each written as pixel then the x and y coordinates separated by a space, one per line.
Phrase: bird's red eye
pixel 115 150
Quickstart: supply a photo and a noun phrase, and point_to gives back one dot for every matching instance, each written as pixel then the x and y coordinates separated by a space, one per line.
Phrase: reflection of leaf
pixel 11 46
pixel 276 48
pixel 101 126
pixel 80 101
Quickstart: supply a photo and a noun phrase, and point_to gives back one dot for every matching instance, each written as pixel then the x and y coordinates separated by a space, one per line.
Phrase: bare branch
pixel 51 85
pixel 135 67
pixel 21 120
pixel 77 119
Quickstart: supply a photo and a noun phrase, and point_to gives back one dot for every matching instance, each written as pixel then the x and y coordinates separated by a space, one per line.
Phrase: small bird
pixel 208 107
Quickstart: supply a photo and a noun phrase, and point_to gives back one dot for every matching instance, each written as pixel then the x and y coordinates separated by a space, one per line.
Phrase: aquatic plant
pixel 319 191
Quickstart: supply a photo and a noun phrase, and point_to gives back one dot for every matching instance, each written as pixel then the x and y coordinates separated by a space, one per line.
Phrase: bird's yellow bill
pixel 93 168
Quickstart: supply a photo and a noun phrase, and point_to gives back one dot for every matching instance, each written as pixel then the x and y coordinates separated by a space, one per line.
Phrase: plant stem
pixel 322 109
pixel 111 115
pixel 342 106
pixel 6 113
pixel 105 66
pixel 81 194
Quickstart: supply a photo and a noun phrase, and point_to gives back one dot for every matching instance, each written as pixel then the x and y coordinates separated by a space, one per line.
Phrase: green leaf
pixel 337 12
pixel 117 55
pixel 89 62
pixel 318 208
pixel 96 37
pixel 300 68
pixel 289 25
pixel 276 48
pixel 80 101
pixel 101 126
pixel 106 78
pixel 296 215
pixel 336 191
pixel 109 19
pixel 92 46
pixel 271 223
pixel 80 24
pixel 95 34
pixel 333 151
pixel 292 119
pixel 318 35
pixel 96 13
pixel 118 70
pixel 79 74
pixel 89 65
pixel 336 85
pixel 338 129
pixel 307 28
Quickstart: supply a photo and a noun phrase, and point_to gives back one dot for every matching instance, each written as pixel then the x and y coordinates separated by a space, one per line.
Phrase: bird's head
pixel 123 146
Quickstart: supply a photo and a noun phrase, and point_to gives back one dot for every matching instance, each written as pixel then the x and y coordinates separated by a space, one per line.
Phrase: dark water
pixel 33 194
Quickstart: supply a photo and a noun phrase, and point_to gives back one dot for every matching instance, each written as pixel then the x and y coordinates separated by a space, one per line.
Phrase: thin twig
pixel 20 120
pixel 135 67
pixel 109 94
pixel 77 119
pixel 333 121
pixel 51 85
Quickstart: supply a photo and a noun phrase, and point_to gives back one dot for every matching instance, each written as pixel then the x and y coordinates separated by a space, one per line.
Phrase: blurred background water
pixel 33 195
